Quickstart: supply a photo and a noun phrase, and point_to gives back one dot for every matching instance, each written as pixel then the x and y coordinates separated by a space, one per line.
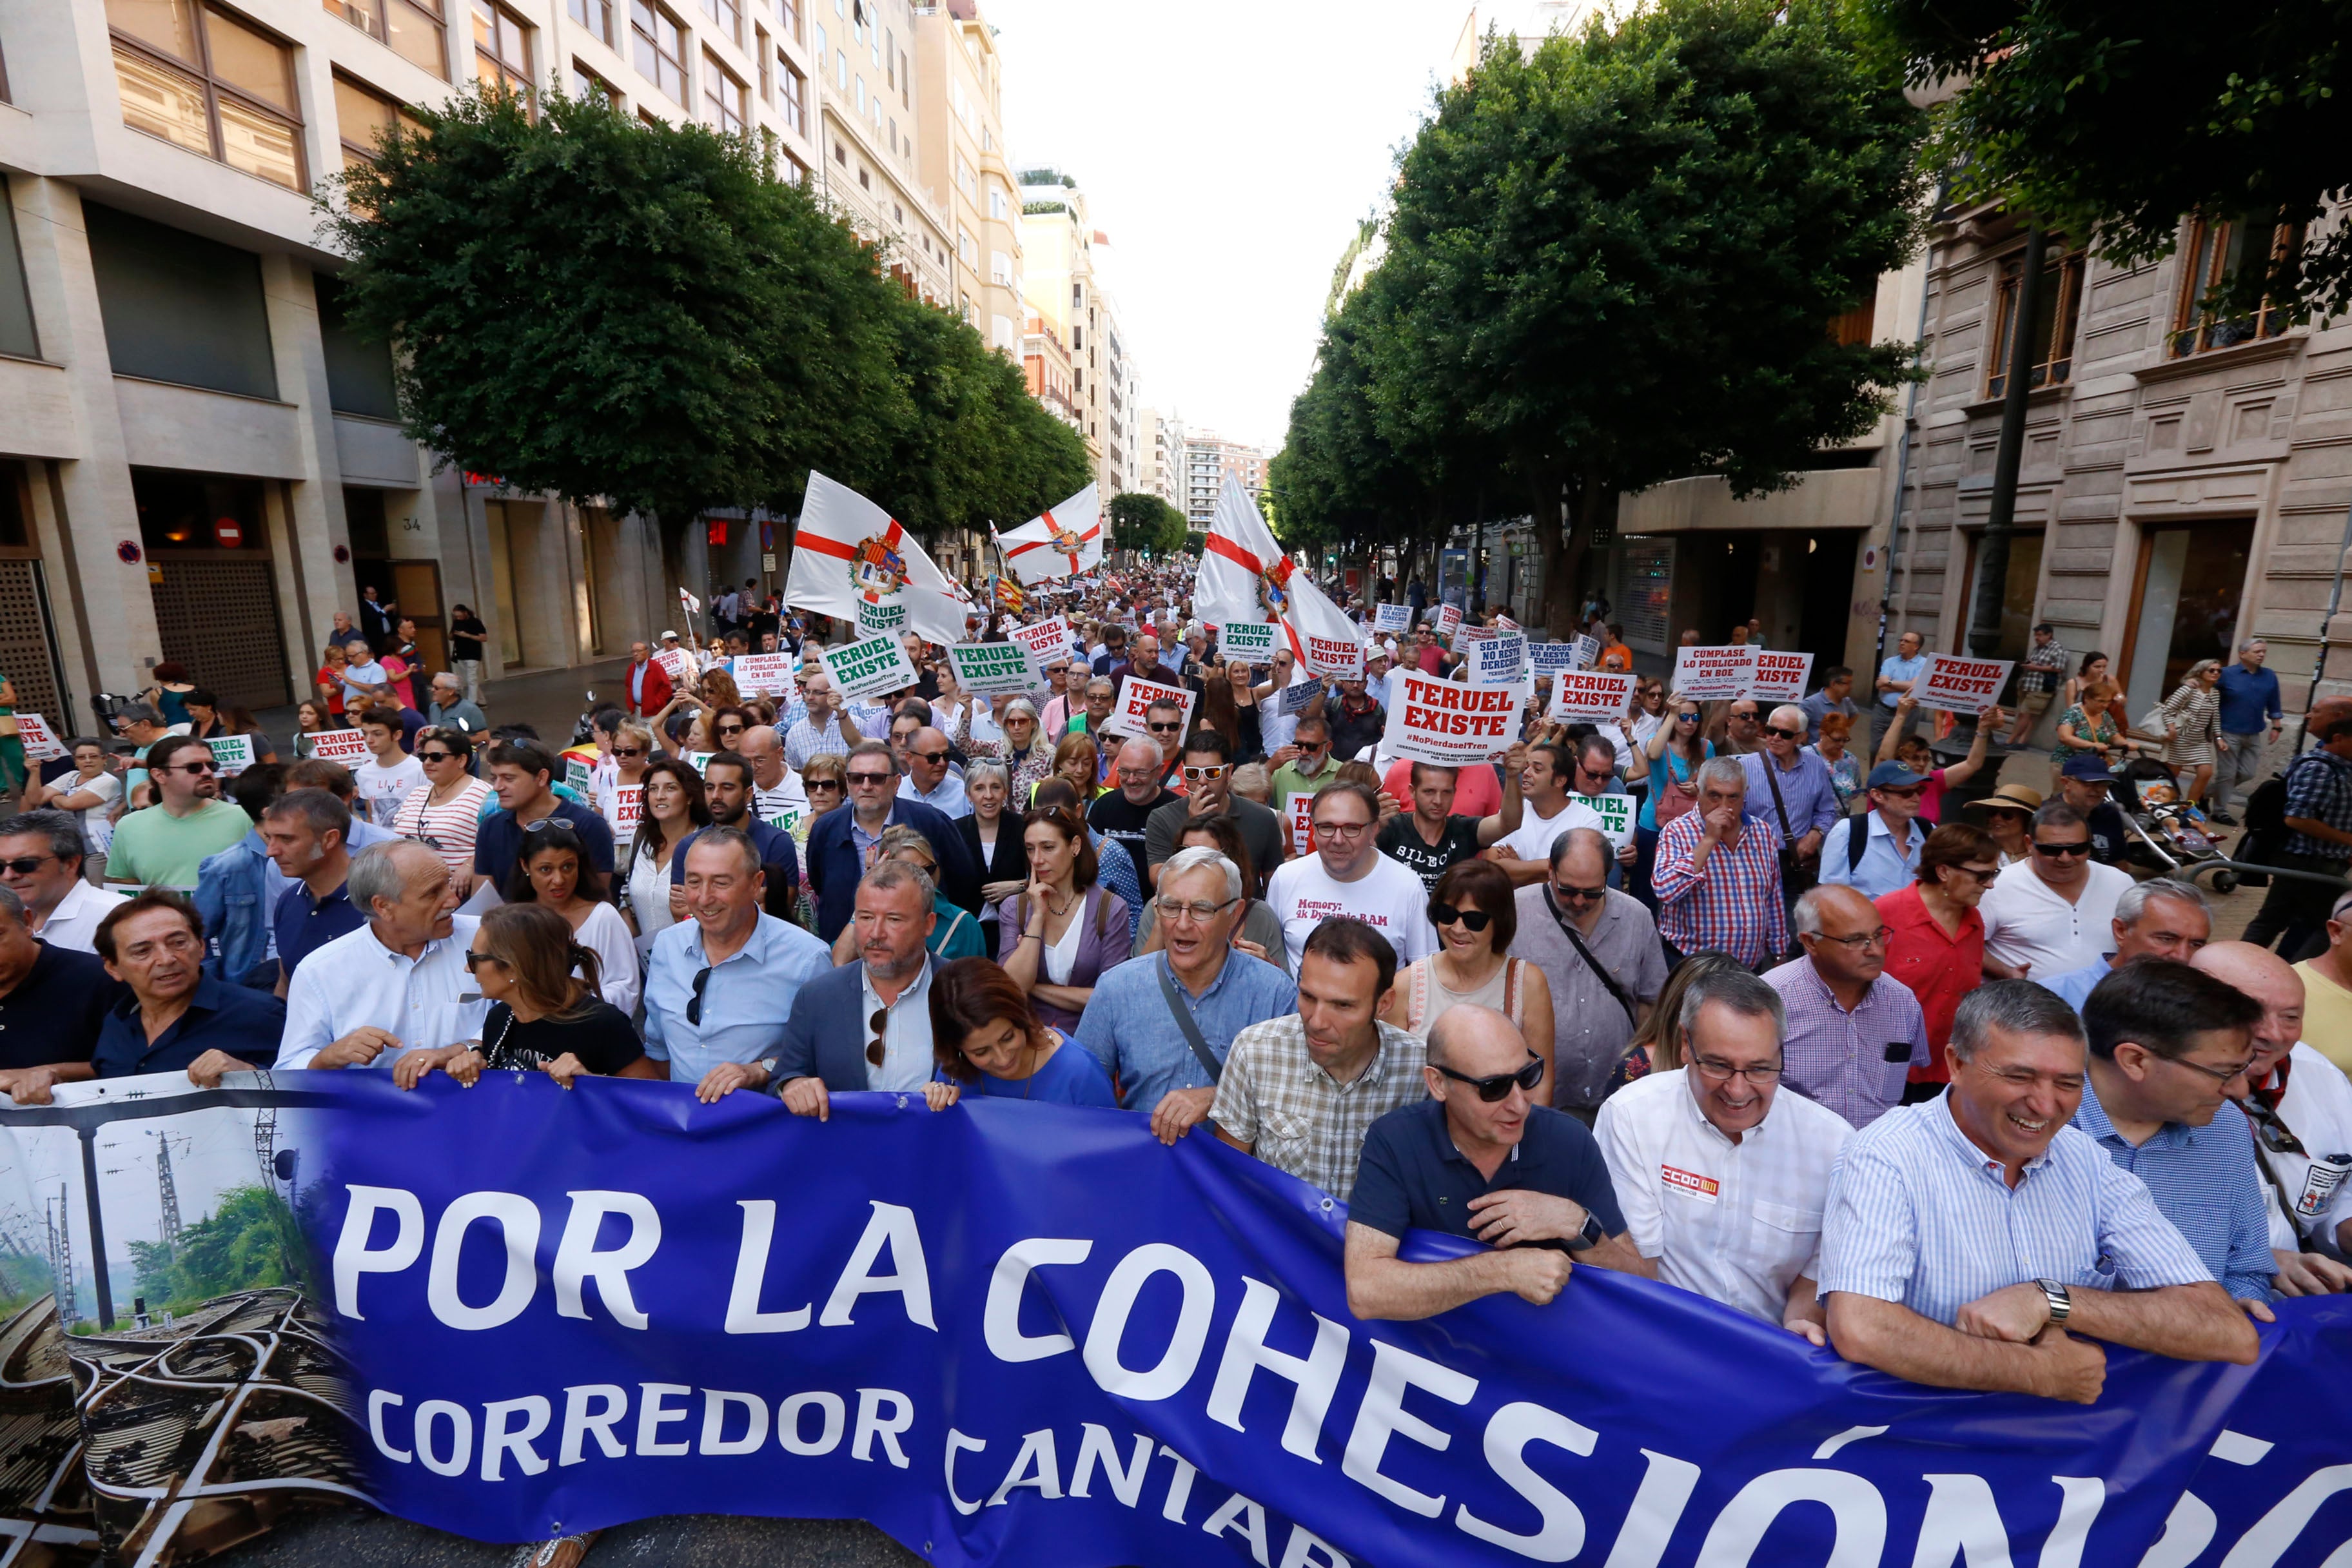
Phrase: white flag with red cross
pixel 1244 576
pixel 1067 541
pixel 853 559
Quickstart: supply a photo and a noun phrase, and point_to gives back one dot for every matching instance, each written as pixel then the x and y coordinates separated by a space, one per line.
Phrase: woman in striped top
pixel 446 814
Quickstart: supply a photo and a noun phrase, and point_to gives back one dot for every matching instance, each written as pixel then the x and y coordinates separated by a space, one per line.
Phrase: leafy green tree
pixel 1142 521
pixel 251 1240
pixel 2112 119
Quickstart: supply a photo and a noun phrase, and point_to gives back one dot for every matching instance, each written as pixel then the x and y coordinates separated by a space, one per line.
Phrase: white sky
pixel 1228 150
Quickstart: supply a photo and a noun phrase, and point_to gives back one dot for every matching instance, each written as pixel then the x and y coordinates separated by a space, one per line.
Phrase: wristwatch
pixel 2061 1303
pixel 1592 1234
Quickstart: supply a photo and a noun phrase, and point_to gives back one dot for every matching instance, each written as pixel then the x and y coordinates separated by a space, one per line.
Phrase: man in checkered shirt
pixel 2318 838
pixel 2039 674
pixel 1717 877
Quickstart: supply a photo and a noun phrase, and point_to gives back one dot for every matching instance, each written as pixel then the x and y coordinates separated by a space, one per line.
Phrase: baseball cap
pixel 1893 775
pixel 2087 767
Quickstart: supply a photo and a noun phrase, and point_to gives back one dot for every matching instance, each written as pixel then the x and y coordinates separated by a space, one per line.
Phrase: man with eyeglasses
pixel 1718 874
pixel 1432 837
pixel 929 778
pixel 866 1025
pixel 1853 1034
pixel 1598 949
pixel 1100 693
pixel 1208 779
pixel 1478 1158
pixel 1124 815
pixel 1911 1286
pixel 721 983
pixel 2299 1105
pixel 398 984
pixel 165 844
pixel 1790 788
pixel 1132 1022
pixel 1111 652
pixel 450 708
pixel 1723 1178
pixel 2054 910
pixel 41 863
pixel 1305 765
pixel 844 845
pixel 2160 918
pixel 1892 839
pixel 2169 1044
pixel 1348 874
pixel 826 727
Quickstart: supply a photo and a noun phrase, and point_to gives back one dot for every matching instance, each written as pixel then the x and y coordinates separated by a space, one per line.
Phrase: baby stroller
pixel 2172 833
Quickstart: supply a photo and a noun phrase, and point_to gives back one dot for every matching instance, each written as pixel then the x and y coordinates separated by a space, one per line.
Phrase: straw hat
pixel 2014 797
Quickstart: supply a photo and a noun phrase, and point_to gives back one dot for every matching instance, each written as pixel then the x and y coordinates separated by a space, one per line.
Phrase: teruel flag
pixel 1064 542
pixel 853 559
pixel 1243 572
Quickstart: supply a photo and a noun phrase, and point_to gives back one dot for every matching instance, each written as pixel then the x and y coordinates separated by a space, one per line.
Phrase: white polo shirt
pixel 426 1002
pixel 1736 1223
pixel 74 923
pixel 1537 834
pixel 2026 922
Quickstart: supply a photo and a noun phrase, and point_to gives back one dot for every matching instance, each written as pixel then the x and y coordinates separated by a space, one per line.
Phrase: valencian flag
pixel 854 560
pixel 1064 542
pixel 1244 576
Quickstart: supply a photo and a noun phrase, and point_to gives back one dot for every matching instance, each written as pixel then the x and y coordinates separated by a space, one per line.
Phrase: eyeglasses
pixel 2055 850
pixel 1206 774
pixel 473 961
pixel 1341 829
pixel 1167 729
pixel 626 750
pixel 1784 734
pixel 876 780
pixel 879 1025
pixel 1495 1086
pixel 2219 1075
pixel 1878 937
pixel 1723 1072
pixel 694 1003
pixel 932 758
pixel 26 865
pixel 1472 921
pixel 1570 895
pixel 1200 913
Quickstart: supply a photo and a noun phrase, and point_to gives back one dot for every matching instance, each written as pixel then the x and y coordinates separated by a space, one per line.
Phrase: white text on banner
pixel 1551 658
pixel 1956 685
pixel 1391 617
pixel 1498 661
pixel 1450 725
pixel 1302 824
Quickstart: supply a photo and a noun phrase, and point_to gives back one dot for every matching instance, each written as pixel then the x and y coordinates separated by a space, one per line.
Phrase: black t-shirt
pixel 55 1011
pixel 603 1039
pixel 465 635
pixel 1400 841
pixel 2108 834
pixel 1412 1176
pixel 1114 816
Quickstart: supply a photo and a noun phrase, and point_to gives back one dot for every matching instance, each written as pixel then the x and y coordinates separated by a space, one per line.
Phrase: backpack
pixel 2265 837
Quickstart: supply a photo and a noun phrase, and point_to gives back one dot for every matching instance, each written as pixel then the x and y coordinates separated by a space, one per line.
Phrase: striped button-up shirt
pixel 2319 789
pixel 1734 904
pixel 1921 1216
pixel 2205 1181
pixel 1853 1063
pixel 1299 1119
pixel 804 740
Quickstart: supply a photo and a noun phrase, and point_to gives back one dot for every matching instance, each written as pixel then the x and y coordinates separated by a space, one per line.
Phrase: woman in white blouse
pixel 675 807
pixel 554 869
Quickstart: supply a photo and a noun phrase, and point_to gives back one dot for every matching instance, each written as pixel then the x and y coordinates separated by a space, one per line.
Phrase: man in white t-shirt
pixel 1549 811
pixel 385 779
pixel 1348 874
pixel 2054 911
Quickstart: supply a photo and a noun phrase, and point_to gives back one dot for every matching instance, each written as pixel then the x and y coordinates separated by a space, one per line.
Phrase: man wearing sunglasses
pixel 1790 788
pixel 2169 1046
pixel 842 845
pixel 1477 1159
pixel 41 863
pixel 929 778
pixel 1305 765
pixel 1853 1034
pixel 1208 779
pixel 2052 911
pixel 166 843
pixel 2160 917
pixel 1887 858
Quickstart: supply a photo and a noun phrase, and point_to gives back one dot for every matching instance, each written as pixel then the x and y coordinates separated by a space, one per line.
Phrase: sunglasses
pixel 1784 734
pixel 1470 921
pixel 473 961
pixel 1206 774
pixel 452 756
pixel 628 751
pixel 933 758
pixel 876 780
pixel 187 768
pixel 1569 895
pixel 1166 729
pixel 2054 851
pixel 694 1003
pixel 731 729
pixel 1983 879
pixel 815 785
pixel 26 865
pixel 878 1025
pixel 1496 1085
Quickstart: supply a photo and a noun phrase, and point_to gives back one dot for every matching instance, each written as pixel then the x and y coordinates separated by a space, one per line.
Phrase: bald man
pixel 776 790
pixel 2299 1104
pixel 929 778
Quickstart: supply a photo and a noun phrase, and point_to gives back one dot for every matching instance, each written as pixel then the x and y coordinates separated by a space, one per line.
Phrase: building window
pixel 17 333
pixel 363 116
pixel 413 29
pixel 1000 267
pixel 999 206
pixel 841 71
pixel 658 49
pixel 590 87
pixel 788 14
pixel 2219 250
pixel 2056 315
pixel 723 98
pixel 200 78
pixel 1850 329
pixel 728 14
pixel 861 95
pixel 596 16
pixel 796 96
pixel 865 179
pixel 503 51
pixel 766 57
pixel 799 174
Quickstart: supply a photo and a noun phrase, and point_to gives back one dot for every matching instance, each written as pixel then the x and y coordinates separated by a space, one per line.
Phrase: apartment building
pixel 1208 460
pixel 1161 448
pixel 1057 242
pixel 963 162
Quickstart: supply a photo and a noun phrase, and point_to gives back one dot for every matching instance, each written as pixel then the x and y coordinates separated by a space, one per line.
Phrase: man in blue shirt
pixel 1895 674
pixel 1790 786
pixel 53 1003
pixel 719 984
pixel 522 776
pixel 2250 719
pixel 1131 1023
pixel 304 832
pixel 175 1016
pixel 2160 917
pixel 1892 838
pixel 2166 1042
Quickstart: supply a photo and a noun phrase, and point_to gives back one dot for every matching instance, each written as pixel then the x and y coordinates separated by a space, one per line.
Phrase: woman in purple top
pixel 1056 936
pixel 986 1039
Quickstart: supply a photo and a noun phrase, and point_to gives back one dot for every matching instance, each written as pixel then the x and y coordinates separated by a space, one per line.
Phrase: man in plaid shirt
pixel 1717 877
pixel 2039 674
pixel 2318 838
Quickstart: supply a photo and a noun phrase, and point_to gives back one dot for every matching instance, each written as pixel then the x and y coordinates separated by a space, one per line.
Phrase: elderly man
pixel 1790 788
pixel 777 792
pixel 41 863
pixel 1300 1092
pixel 2160 917
pixel 719 983
pixel 1433 836
pixel 1696 1153
pixel 2297 1101
pixel 2167 1044
pixel 1305 765
pixel 866 1025
pixel 1124 815
pixel 451 708
pixel 2249 720
pixel 929 778
pixel 1854 1033
pixel 175 1016
pixel 165 843
pixel 1836 696
pixel 1599 951
pixel 1348 876
pixel 1478 1158
pixel 304 832
pixel 1911 1286
pixel 1208 794
pixel 1099 693
pixel 398 986
pixel 1741 731
pixel 645 685
pixel 53 1003
pixel 824 729
pixel 2084 783
pixel 1884 858
pixel 1548 776
pixel 1717 875
pixel 2051 911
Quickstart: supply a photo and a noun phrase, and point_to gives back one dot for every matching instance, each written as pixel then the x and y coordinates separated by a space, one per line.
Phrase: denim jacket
pixel 237 893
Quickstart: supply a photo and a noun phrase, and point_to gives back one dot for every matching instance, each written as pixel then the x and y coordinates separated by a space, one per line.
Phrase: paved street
pixel 548 700
pixel 707 1541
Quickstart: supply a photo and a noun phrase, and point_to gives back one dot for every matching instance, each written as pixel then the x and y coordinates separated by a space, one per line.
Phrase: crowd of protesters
pixel 1785 1024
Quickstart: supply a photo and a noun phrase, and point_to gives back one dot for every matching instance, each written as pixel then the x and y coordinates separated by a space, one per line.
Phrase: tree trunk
pixel 1561 557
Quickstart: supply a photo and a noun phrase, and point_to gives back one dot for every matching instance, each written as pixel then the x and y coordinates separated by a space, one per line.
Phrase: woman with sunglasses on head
pixel 675 807
pixel 1476 912
pixel 554 871
pixel 987 1039
pixel 1257 931
pixel 545 1014
pixel 1675 750
pixel 446 812
pixel 1062 930
pixel 994 837
pixel 1937 946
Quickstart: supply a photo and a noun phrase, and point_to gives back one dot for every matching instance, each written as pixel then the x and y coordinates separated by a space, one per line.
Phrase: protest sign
pixel 1713 674
pixel 40 745
pixel 1779 677
pixel 1126 714
pixel 232 755
pixel 1046 639
pixel 1298 696
pixel 1587 652
pixel 787 820
pixel 1498 661
pixel 1450 725
pixel 1252 641
pixel 1449 619
pixel 1616 813
pixel 995 669
pixel 1589 697
pixel 348 747
pixel 1302 823
pixel 862 669
pixel 1551 658
pixel 628 810
pixel 699 759
pixel 1341 657
pixel 675 665
pixel 764 674
pixel 579 773
pixel 1951 684
pixel 1391 617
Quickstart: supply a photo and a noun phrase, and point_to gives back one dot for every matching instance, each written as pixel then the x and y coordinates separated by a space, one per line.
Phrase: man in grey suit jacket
pixel 866 1025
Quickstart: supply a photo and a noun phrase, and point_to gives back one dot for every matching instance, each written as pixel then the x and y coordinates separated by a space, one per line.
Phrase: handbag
pixel 1678 796
pixel 1184 1021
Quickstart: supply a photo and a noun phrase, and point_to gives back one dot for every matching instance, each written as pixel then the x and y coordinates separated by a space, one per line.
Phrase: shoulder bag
pixel 1794 876
pixel 1567 929
pixel 1184 1021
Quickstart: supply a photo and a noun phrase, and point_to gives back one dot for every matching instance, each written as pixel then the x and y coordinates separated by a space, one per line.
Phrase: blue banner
pixel 1032 1334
